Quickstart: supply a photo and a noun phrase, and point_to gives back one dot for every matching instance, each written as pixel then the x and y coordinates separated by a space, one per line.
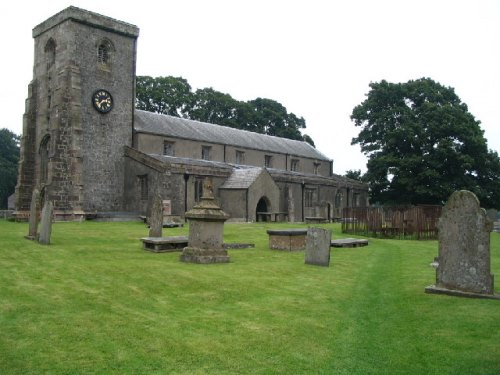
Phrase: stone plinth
pixel 463 264
pixel 287 239
pixel 206 231
pixel 164 244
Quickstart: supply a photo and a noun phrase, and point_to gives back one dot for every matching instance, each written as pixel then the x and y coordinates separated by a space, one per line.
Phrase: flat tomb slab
pixel 349 242
pixel 433 289
pixel 287 239
pixel 164 244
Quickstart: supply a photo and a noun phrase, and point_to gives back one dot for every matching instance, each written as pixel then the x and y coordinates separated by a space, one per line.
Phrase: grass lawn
pixel 94 302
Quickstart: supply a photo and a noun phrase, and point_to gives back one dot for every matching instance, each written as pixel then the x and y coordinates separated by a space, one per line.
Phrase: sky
pixel 315 57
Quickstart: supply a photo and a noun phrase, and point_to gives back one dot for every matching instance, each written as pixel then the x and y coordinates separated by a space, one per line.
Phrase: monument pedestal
pixel 206 231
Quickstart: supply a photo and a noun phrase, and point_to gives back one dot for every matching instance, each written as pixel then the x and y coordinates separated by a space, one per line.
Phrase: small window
pixel 143 182
pixel 205 152
pixel 308 197
pixel 338 200
pixel 168 148
pixel 294 165
pixel 198 189
pixel 316 167
pixel 104 52
pixel 240 157
pixel 268 161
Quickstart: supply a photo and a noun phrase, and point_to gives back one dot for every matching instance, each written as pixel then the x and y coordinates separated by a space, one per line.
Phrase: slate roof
pixel 153 123
pixel 242 178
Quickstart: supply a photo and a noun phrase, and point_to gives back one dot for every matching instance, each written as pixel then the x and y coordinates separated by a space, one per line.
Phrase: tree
pixel 354 174
pixel 166 95
pixel 422 144
pixel 9 157
pixel 173 96
pixel 272 118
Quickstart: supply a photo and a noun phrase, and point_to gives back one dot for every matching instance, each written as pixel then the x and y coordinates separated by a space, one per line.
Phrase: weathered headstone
pixel 318 246
pixel 46 223
pixel 34 210
pixel 463 264
pixel 206 230
pixel 156 217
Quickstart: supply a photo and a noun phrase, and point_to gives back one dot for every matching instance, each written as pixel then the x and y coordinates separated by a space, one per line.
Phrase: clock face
pixel 103 101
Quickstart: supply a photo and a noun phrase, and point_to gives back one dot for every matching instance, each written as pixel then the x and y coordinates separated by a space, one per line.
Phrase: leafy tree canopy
pixel 422 144
pixel 173 96
pixel 9 156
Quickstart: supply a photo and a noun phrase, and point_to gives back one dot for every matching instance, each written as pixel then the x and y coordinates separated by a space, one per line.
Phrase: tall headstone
pixel 463 264
pixel 34 210
pixel 318 246
pixel 46 223
pixel 156 217
pixel 206 230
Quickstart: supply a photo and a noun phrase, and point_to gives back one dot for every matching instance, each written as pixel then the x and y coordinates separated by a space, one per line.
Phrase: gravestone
pixel 463 265
pixel 34 210
pixel 318 246
pixel 156 217
pixel 206 230
pixel 46 223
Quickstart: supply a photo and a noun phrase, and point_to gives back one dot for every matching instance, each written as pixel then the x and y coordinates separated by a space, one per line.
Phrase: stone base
pixel 349 242
pixel 287 239
pixel 204 256
pixel 164 244
pixel 433 289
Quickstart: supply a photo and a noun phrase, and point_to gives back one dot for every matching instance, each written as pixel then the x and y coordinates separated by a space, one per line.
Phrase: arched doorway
pixel 262 210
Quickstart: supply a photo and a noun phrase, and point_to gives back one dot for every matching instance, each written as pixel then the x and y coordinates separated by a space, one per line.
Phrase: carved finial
pixel 208 188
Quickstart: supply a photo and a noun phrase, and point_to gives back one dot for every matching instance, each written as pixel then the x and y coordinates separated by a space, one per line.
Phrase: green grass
pixel 94 302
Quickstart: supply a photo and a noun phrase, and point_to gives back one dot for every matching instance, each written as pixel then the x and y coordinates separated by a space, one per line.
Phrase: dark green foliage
pixel 354 174
pixel 173 96
pixel 422 144
pixel 9 156
pixel 166 95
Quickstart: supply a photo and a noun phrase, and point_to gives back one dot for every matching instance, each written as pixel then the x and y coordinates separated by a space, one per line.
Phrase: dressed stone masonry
pixel 463 265
pixel 99 157
pixel 206 230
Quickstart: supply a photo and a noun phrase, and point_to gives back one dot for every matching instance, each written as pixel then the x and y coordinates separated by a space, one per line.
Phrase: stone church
pixel 94 155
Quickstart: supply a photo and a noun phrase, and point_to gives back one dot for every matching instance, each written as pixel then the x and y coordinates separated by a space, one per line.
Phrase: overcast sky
pixel 315 57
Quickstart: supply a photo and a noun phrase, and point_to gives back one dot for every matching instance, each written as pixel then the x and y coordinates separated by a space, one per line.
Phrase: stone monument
pixel 46 223
pixel 156 217
pixel 34 211
pixel 318 246
pixel 463 265
pixel 206 230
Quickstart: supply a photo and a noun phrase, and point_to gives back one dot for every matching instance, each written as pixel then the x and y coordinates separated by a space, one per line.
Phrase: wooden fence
pixel 404 222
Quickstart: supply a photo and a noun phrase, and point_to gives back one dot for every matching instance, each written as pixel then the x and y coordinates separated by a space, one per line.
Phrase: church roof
pixel 242 178
pixel 154 123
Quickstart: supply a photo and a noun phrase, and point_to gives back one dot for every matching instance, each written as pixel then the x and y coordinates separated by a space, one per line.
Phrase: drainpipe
pixel 303 188
pixel 186 178
pixel 247 210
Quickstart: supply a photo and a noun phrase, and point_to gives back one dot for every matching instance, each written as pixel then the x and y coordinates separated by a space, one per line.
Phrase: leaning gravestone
pixel 318 246
pixel 46 223
pixel 463 264
pixel 156 217
pixel 33 220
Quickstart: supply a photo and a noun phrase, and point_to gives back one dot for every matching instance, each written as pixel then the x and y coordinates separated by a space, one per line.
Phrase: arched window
pixel 50 52
pixel 104 52
pixel 338 200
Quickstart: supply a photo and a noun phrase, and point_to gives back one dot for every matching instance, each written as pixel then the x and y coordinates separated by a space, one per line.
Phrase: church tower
pixel 79 113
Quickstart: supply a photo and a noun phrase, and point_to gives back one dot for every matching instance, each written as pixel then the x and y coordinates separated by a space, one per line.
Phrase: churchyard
pixel 95 302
